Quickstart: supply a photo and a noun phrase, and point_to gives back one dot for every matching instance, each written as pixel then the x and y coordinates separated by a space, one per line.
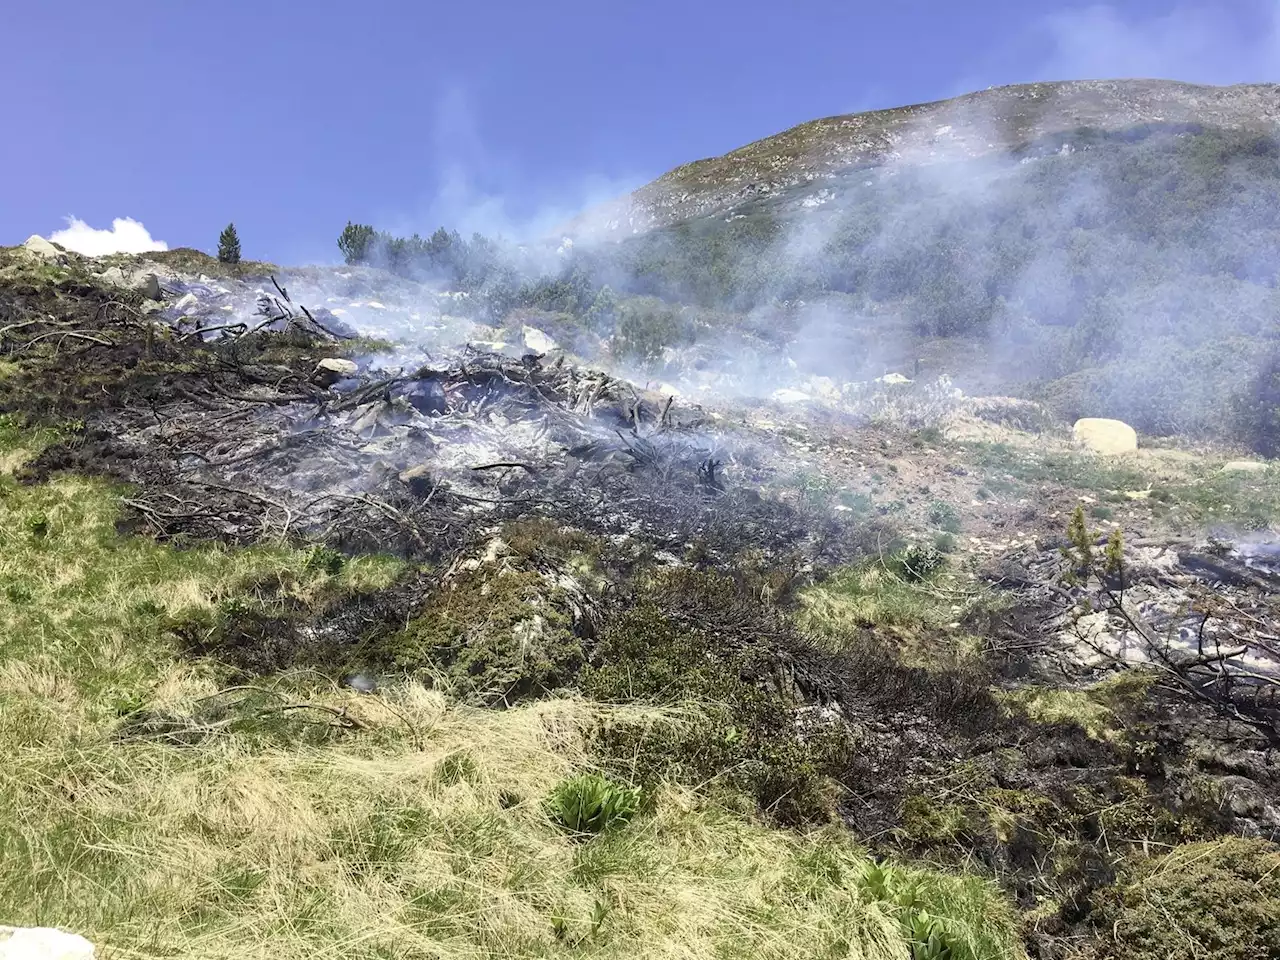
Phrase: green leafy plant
pixel 929 936
pixel 592 804
pixel 38 524
pixel 943 516
pixel 229 245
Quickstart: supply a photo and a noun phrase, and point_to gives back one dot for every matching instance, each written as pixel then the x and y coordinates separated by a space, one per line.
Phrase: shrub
pixel 229 245
pixel 1216 900
pixel 325 560
pixel 591 804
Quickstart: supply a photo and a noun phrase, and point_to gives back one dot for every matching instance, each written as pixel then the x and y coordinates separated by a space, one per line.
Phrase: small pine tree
pixel 356 242
pixel 229 245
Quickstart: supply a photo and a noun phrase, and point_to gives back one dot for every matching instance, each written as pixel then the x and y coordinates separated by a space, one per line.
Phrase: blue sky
pixel 291 118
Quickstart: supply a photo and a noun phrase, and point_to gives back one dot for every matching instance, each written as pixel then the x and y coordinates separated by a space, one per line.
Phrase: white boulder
pixel 148 284
pixel 42 943
pixel 789 396
pixel 40 247
pixel 537 341
pixel 187 304
pixel 1105 437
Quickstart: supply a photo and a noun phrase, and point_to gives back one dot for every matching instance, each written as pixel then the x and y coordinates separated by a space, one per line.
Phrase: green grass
pixel 1002 462
pixel 876 594
pixel 1193 494
pixel 424 832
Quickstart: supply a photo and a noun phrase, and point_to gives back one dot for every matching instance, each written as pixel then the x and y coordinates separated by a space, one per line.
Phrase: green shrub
pixel 943 516
pixel 322 559
pixel 1217 900
pixel 917 563
pixel 591 804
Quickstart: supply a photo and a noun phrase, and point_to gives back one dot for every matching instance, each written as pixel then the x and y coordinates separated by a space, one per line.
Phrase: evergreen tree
pixel 229 245
pixel 356 242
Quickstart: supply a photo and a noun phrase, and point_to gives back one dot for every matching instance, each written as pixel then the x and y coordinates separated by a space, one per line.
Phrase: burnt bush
pixel 704 637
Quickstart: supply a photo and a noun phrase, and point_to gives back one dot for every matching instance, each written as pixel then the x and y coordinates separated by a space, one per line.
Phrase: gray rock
pixel 148 284
pixel 1244 466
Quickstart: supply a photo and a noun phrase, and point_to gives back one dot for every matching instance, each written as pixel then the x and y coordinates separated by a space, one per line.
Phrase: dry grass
pixel 421 834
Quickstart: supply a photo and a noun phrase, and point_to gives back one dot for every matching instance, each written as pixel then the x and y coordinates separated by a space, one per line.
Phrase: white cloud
pixel 125 236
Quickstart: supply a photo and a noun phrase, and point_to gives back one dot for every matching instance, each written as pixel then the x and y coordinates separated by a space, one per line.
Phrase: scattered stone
pixel 333 369
pixel 1105 437
pixel 417 479
pixel 40 247
pixel 42 943
pixel 113 276
pixel 1244 466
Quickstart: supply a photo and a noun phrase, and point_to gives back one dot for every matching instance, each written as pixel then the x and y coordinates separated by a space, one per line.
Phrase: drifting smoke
pixel 1194 42
pixel 1029 260
pixel 125 236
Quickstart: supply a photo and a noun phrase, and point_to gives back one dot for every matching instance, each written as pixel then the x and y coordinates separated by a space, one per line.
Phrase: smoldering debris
pixel 1201 615
pixel 253 431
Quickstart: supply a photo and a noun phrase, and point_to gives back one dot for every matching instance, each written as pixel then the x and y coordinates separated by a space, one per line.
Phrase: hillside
pixel 343 618
pixel 985 123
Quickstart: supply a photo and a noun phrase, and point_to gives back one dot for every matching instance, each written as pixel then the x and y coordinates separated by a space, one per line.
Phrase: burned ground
pixel 562 532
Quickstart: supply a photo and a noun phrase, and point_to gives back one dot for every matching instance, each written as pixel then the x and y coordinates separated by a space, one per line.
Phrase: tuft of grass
pixel 1081 707
pixel 876 594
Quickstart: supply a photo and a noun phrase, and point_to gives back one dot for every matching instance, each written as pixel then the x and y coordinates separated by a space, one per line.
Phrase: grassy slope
pixel 251 831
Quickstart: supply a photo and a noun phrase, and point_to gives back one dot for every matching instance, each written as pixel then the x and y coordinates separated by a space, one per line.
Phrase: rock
pixel 42 943
pixel 786 395
pixel 1105 437
pixel 40 247
pixel 1244 466
pixel 536 340
pixel 187 304
pixel 148 284
pixel 417 479
pixel 332 369
pixel 893 379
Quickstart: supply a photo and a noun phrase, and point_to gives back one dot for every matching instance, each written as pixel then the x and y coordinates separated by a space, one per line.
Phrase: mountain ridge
pixel 971 125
